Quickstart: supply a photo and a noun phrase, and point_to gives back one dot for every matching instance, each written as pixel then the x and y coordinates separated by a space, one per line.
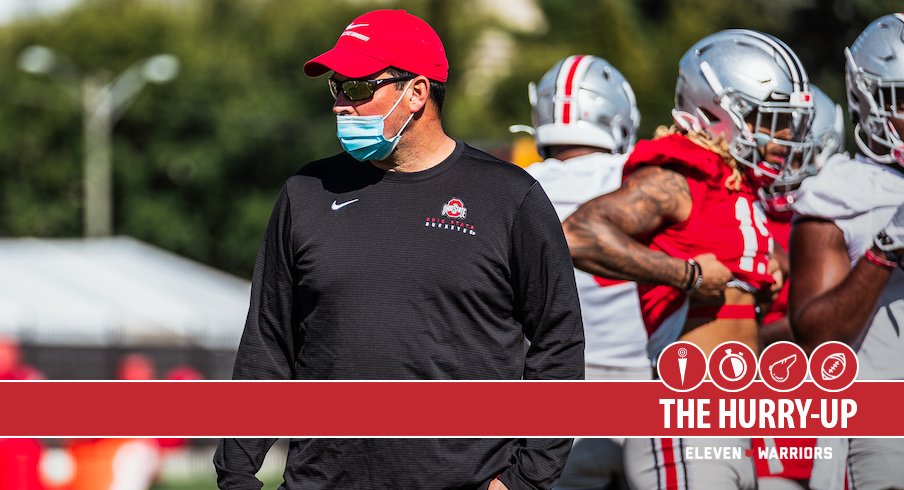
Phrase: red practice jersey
pixel 722 222
pixel 781 231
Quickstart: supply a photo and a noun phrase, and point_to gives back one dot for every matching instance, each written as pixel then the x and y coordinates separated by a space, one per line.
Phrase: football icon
pixel 833 366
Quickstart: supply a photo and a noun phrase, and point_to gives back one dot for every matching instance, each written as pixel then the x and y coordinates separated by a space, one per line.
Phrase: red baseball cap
pixel 380 39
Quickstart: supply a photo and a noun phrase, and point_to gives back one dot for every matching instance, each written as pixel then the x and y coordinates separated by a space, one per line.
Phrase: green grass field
pixel 205 484
pixel 188 485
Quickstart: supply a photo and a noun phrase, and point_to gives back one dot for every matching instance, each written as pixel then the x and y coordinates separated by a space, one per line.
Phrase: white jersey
pixel 614 333
pixel 861 196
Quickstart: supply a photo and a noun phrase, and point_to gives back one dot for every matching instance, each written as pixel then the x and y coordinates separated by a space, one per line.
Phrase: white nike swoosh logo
pixel 352 26
pixel 336 205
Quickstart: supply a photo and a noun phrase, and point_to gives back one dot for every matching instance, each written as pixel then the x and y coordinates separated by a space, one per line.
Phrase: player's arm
pixel 828 299
pixel 780 329
pixel 779 269
pixel 777 331
pixel 601 233
pixel 268 345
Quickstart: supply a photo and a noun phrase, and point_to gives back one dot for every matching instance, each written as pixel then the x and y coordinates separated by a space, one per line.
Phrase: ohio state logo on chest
pixel 455 209
pixel 452 218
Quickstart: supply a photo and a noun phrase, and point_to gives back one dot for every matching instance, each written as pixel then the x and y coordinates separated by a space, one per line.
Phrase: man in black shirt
pixel 409 256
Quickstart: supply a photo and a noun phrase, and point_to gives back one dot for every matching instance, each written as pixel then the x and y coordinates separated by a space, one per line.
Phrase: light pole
pixel 103 103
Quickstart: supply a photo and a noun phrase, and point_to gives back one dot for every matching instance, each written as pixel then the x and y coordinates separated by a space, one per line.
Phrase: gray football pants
pixel 875 464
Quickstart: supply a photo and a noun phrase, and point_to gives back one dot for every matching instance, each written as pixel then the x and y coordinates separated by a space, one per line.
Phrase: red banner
pixel 441 409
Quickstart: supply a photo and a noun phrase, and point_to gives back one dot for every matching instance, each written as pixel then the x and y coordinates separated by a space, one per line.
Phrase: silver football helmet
pixel 874 75
pixel 735 83
pixel 827 131
pixel 827 136
pixel 584 100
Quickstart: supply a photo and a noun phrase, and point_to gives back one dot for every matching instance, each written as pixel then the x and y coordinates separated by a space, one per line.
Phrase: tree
pixel 198 162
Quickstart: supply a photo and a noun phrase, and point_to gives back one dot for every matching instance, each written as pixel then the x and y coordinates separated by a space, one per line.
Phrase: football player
pixel 684 225
pixel 584 123
pixel 847 242
pixel 827 135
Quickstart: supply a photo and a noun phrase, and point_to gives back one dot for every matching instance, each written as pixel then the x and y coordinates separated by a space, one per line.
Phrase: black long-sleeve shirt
pixel 460 271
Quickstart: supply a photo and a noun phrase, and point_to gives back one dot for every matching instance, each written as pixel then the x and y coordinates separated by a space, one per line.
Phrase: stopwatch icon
pixel 732 367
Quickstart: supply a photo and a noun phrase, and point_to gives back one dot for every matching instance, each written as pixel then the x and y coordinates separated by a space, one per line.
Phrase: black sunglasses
pixel 356 90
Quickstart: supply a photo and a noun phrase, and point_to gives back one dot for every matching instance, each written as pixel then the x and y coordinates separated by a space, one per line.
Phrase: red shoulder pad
pixel 678 153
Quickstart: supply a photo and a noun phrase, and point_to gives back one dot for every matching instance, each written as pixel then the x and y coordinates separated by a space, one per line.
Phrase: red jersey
pixel 781 232
pixel 722 222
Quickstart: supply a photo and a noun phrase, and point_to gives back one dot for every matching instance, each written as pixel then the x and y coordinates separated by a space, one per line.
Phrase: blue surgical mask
pixel 362 136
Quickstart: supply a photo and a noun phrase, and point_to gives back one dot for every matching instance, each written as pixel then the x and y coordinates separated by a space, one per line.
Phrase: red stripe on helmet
pixel 569 84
